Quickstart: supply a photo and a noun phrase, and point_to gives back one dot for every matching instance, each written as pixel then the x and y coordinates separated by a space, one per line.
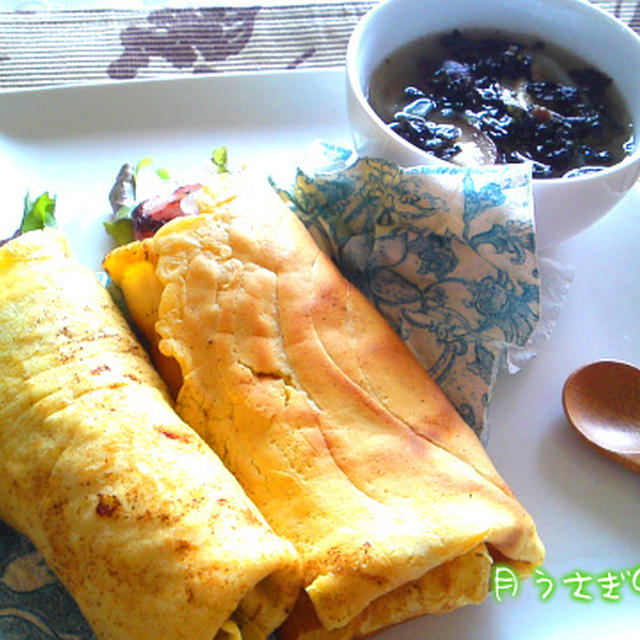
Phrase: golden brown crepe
pixel 149 532
pixel 342 440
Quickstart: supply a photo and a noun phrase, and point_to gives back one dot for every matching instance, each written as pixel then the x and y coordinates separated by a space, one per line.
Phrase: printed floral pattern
pixel 185 38
pixel 446 254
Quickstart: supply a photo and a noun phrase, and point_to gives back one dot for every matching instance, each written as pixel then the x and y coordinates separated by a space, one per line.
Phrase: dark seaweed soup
pixel 483 98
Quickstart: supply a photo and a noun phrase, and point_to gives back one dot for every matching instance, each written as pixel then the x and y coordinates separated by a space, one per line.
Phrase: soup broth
pixel 482 97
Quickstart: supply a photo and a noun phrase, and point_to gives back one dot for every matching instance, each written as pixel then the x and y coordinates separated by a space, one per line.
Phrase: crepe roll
pixel 137 516
pixel 343 441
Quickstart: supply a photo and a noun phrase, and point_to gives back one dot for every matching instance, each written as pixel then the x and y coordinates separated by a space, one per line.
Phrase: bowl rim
pixel 351 67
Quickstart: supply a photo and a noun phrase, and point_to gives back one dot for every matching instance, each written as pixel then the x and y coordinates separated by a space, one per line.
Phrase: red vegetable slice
pixel 153 213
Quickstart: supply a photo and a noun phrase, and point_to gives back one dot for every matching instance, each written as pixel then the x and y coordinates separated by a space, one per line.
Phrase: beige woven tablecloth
pixel 62 43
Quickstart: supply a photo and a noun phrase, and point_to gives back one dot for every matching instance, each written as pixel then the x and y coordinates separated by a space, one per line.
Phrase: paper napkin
pixel 446 254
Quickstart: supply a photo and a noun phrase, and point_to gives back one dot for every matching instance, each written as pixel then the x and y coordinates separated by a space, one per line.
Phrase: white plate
pixel 72 141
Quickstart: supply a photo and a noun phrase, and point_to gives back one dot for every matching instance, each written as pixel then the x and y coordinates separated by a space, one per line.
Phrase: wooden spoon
pixel 602 403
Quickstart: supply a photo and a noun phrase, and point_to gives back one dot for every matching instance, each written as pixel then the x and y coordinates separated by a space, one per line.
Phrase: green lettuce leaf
pixel 220 158
pixel 38 213
pixel 121 227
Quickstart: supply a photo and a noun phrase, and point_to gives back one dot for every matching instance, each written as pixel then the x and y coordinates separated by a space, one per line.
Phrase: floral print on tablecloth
pixel 188 39
pixel 33 603
pixel 73 41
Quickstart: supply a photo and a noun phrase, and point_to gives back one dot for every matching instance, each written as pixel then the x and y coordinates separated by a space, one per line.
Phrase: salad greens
pixel 220 158
pixel 38 213
pixel 123 195
pixel 162 173
pixel 121 227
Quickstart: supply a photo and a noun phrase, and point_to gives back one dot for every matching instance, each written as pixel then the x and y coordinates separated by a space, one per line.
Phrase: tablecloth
pixel 84 41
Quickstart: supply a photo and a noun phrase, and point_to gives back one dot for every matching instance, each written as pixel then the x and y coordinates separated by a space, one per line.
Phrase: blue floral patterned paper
pixel 446 254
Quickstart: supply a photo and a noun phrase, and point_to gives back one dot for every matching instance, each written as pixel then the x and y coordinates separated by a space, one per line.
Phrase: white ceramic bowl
pixel 563 206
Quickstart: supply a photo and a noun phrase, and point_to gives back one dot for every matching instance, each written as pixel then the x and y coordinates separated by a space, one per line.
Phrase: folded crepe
pixel 140 520
pixel 342 440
